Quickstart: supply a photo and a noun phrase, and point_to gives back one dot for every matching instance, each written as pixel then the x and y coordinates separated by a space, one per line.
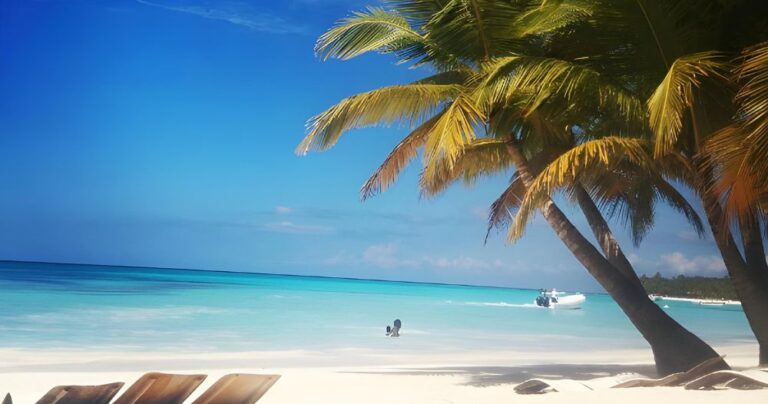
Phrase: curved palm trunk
pixel 747 277
pixel 674 348
pixel 604 235
pixel 754 250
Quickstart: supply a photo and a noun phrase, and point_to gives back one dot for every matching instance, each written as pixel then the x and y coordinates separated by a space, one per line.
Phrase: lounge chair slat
pixel 101 394
pixel 161 388
pixel 237 389
pixel 744 380
pixel 678 379
pixel 668 380
pixel 541 386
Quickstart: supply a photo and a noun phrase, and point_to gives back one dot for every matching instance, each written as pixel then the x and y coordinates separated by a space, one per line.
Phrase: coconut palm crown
pixel 507 90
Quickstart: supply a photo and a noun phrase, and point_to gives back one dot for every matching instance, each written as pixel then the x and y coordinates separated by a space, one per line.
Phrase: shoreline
pixel 21 360
pixel 695 300
pixel 330 376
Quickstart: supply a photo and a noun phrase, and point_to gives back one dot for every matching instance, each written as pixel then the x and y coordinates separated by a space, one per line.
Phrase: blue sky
pixel 161 133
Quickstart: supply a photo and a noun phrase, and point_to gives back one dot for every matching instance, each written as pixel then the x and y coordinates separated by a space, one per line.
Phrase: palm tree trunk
pixel 754 250
pixel 604 235
pixel 675 349
pixel 748 282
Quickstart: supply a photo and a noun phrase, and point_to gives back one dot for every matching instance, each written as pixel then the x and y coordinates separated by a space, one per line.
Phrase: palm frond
pixel 475 30
pixel 411 103
pixel 554 15
pixel 736 153
pixel 481 157
pixel 640 208
pixel 630 193
pixel 669 194
pixel 753 106
pixel 397 160
pixel 503 209
pixel 451 133
pixel 373 30
pixel 674 96
pixel 583 160
pixel 543 77
pixel 418 11
pixel 738 183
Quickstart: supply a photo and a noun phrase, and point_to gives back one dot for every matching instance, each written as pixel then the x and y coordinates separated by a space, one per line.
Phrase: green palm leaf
pixel 542 78
pixel 674 97
pixel 554 15
pixel 455 129
pixel 583 160
pixel 411 103
pixel 398 159
pixel 502 210
pixel 753 106
pixel 476 30
pixel 374 30
pixel 481 157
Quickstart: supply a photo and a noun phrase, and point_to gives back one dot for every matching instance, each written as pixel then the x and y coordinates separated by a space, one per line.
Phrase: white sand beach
pixel 306 377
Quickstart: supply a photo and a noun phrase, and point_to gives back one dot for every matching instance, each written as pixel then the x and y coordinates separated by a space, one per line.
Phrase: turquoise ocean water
pixel 103 307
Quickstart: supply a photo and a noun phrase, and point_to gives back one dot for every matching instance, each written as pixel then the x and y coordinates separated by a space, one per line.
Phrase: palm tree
pixel 489 58
pixel 698 135
pixel 747 267
pixel 737 152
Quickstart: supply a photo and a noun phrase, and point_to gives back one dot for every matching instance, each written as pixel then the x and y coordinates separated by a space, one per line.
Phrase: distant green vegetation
pixel 698 287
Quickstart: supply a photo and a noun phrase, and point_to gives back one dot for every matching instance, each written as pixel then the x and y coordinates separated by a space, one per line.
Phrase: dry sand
pixel 312 377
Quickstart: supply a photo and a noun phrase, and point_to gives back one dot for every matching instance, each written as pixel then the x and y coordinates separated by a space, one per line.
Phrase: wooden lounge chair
pixel 160 388
pixel 102 394
pixel 541 386
pixel 744 380
pixel 678 379
pixel 237 389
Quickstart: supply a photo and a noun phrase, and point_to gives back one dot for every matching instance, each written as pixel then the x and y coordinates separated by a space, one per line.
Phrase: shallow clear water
pixel 78 306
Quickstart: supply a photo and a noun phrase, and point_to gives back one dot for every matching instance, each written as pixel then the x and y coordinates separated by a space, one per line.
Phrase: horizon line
pixel 275 274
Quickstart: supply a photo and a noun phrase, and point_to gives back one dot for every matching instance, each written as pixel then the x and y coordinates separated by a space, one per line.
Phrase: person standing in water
pixel 395 331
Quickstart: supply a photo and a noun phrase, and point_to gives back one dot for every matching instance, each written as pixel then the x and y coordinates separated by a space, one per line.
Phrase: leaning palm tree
pixel 489 58
pixel 691 105
pixel 677 58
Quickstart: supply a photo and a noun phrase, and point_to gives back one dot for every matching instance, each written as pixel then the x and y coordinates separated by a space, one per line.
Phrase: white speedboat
pixel 559 300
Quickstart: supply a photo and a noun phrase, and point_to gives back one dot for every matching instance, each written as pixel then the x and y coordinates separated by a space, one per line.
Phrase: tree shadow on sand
pixel 482 376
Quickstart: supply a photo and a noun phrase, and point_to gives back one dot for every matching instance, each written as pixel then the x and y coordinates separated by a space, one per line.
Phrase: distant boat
pixel 559 300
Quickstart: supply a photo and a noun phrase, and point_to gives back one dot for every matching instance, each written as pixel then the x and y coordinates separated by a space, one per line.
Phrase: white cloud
pixel 634 259
pixel 283 210
pixel 386 256
pixel 237 13
pixel 462 262
pixel 706 265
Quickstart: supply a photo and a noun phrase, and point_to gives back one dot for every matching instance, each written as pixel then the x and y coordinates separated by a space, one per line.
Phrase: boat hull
pixel 569 302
